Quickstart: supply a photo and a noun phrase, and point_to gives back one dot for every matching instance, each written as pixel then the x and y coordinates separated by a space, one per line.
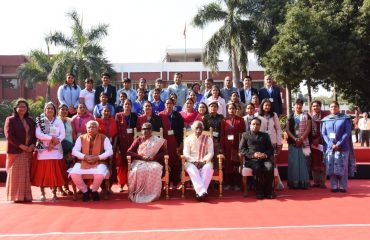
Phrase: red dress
pixel 107 127
pixel 189 118
pixel 125 139
pixel 231 130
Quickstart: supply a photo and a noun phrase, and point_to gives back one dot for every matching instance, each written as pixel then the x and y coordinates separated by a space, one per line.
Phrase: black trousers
pixel 263 170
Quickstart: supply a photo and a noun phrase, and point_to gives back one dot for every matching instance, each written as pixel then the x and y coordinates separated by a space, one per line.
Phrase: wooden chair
pixel 90 177
pixel 166 177
pixel 217 174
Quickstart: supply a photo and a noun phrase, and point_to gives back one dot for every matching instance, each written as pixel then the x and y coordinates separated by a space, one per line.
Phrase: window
pixel 11 83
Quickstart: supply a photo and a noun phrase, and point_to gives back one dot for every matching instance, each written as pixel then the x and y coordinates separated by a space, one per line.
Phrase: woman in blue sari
pixel 339 155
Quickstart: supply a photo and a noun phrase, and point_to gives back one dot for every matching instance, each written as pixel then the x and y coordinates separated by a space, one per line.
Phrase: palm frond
pixel 98 32
pixel 59 39
pixel 213 48
pixel 211 12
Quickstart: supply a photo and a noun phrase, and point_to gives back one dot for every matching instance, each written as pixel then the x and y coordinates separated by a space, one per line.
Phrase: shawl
pixel 150 147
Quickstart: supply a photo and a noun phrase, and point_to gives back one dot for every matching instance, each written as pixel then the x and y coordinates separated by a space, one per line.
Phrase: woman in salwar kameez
pixel 147 151
pixel 20 139
pixel 298 129
pixel 339 155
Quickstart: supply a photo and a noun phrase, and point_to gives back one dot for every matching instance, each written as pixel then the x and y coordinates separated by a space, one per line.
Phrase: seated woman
pixel 144 179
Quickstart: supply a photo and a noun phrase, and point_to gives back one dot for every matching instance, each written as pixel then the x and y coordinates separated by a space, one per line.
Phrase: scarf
pixel 44 123
pixel 150 147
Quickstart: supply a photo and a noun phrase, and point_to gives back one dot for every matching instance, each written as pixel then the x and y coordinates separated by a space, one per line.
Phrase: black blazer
pixel 111 91
pixel 242 94
pixel 275 95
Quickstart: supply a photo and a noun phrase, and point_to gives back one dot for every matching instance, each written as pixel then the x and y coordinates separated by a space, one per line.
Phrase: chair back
pixel 154 133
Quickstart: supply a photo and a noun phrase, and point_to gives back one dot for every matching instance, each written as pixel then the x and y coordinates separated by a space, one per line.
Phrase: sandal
pixel 42 198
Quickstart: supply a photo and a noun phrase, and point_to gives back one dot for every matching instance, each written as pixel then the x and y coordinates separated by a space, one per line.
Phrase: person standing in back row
pixel 273 94
pixel 178 88
pixel 106 88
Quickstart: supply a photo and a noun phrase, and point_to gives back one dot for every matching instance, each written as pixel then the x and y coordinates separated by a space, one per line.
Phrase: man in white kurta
pixel 198 152
pixel 98 168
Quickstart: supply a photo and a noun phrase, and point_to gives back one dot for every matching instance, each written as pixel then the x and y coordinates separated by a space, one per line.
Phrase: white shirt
pixel 191 149
pixel 271 125
pixel 89 99
pixel 108 151
pixel 364 124
pixel 221 105
pixel 56 152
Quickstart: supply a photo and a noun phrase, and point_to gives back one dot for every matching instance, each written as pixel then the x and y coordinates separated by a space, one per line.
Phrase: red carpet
pixel 295 214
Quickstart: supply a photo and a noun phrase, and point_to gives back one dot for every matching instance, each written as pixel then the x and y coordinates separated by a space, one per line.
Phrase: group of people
pixel 362 128
pixel 93 125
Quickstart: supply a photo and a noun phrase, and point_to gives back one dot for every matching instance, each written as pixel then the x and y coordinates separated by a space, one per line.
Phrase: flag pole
pixel 185 41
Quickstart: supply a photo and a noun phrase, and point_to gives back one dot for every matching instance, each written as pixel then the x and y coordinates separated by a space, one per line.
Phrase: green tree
pixel 324 42
pixel 235 35
pixel 83 54
pixel 37 69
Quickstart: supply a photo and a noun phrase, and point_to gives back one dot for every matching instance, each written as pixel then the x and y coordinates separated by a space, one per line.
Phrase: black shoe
pixel 260 196
pixel 86 196
pixel 342 190
pixel 204 196
pixel 199 198
pixel 95 196
pixel 271 196
pixel 334 190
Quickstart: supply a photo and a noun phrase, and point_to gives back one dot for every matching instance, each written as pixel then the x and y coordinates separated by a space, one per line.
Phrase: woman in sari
pixel 240 106
pixel 298 127
pixel 147 152
pixel 339 155
pixel 173 125
pixel 188 114
pixel 256 102
pixel 49 170
pixel 126 122
pixel 20 136
pixel 193 96
pixel 79 121
pixel 317 164
pixel 231 128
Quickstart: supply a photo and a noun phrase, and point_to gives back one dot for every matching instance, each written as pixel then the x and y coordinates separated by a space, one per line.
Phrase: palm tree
pixel 37 69
pixel 235 35
pixel 83 54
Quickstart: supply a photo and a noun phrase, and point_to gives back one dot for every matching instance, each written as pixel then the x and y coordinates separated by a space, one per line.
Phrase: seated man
pixel 144 177
pixel 198 151
pixel 258 152
pixel 92 149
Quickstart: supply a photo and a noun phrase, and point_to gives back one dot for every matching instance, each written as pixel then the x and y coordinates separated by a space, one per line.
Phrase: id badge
pixel 332 135
pixel 230 137
pixel 54 131
pixel 215 134
pixel 129 130
pixel 271 100
pixel 170 132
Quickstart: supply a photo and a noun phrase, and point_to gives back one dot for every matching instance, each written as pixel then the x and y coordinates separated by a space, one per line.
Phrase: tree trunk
pixel 235 69
pixel 288 97
pixel 309 94
pixel 48 93
pixel 335 95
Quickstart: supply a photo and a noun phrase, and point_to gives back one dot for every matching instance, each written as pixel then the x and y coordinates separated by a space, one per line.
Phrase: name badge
pixel 230 137
pixel 215 134
pixel 332 135
pixel 129 130
pixel 271 99
pixel 54 131
pixel 170 132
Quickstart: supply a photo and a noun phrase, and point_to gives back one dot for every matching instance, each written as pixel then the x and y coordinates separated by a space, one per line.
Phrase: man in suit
pixel 107 88
pixel 273 93
pixel 247 91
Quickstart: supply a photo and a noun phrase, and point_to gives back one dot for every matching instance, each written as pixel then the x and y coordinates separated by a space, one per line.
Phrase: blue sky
pixel 139 31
